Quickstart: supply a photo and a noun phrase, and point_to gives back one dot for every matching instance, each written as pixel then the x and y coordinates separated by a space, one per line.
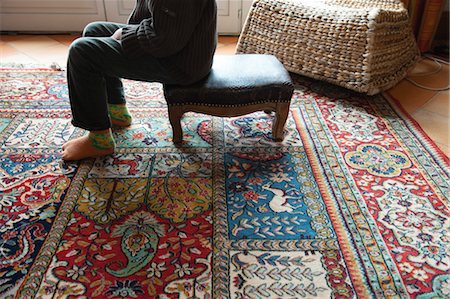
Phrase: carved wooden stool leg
pixel 279 121
pixel 175 114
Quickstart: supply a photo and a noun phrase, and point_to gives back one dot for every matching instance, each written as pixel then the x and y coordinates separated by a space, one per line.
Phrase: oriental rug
pixel 352 204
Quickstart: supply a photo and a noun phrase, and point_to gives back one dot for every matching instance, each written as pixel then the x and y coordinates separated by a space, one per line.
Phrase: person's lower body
pixel 95 66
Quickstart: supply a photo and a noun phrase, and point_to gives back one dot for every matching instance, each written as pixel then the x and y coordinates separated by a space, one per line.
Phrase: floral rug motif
pixel 352 204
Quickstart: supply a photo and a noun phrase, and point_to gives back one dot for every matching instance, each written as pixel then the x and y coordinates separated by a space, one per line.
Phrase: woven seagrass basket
pixel 367 46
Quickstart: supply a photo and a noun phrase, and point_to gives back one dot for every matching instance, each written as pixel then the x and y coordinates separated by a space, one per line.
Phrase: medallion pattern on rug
pixel 352 204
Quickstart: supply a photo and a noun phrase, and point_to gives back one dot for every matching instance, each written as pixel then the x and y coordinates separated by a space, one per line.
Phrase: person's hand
pixel 117 35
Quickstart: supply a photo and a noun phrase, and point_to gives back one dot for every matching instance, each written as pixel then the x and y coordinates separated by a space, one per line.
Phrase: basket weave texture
pixel 367 46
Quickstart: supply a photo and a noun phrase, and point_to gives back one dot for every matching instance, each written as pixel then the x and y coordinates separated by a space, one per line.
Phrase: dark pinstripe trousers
pixel 95 66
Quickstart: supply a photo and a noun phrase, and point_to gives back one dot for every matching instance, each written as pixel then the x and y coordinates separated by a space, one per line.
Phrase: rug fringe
pixel 5 66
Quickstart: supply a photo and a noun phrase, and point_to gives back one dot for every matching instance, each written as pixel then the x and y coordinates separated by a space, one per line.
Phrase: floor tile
pixel 436 126
pixel 439 104
pixel 64 38
pixel 228 39
pixel 437 81
pixel 31 43
pixel 226 50
pixel 425 66
pixel 18 58
pixel 57 53
pixel 430 74
pixel 409 96
pixel 6 50
pixel 12 37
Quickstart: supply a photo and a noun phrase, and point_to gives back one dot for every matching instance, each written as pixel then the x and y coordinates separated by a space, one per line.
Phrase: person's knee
pixel 78 47
pixel 93 29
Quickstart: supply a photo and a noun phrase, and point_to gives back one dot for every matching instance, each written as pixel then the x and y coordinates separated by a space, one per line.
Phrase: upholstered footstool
pixel 237 85
pixel 363 45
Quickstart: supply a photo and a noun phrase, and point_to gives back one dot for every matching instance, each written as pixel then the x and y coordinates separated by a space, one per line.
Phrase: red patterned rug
pixel 353 203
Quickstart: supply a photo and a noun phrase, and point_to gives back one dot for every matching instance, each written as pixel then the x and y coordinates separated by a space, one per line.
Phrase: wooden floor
pixel 430 108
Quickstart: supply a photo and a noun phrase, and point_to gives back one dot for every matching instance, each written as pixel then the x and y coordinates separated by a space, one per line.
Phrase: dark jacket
pixel 182 33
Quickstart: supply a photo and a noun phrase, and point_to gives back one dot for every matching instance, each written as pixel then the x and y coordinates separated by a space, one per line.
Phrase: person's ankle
pixel 119 114
pixel 102 140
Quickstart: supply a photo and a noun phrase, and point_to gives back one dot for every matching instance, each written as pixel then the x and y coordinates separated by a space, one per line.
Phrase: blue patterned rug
pixel 353 203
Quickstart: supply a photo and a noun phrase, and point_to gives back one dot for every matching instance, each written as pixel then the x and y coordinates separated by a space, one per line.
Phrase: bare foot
pixel 82 148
